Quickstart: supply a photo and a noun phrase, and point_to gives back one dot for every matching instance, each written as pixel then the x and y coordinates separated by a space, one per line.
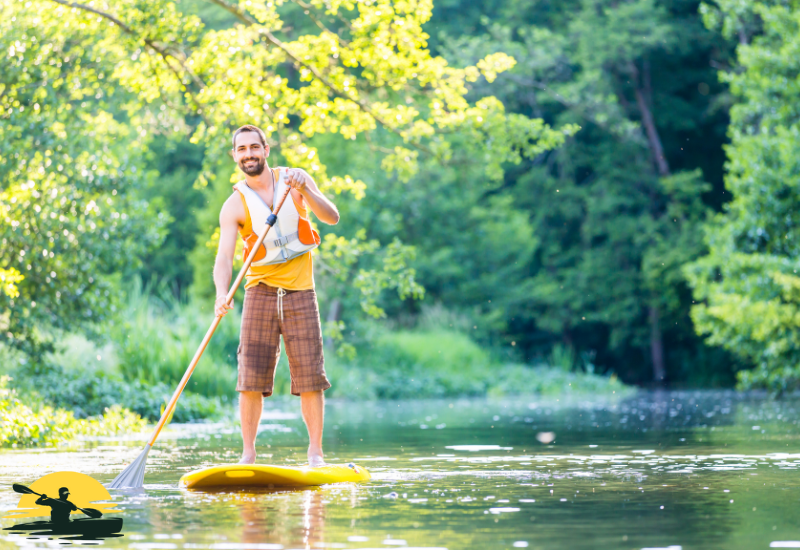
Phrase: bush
pixel 777 380
pixel 157 335
pixel 36 424
pixel 549 381
pixel 150 344
pixel 90 393
pixel 442 363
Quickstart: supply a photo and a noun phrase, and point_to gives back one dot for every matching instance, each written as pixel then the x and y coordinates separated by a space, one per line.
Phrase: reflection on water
pixel 296 516
pixel 667 469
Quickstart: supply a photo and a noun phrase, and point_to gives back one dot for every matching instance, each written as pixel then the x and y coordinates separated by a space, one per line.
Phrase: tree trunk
pixel 656 347
pixel 642 90
pixel 649 124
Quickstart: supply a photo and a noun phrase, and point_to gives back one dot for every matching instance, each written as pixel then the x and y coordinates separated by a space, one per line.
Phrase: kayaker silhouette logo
pixel 74 506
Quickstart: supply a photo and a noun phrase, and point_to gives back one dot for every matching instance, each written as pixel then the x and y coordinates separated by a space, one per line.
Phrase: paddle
pixel 91 512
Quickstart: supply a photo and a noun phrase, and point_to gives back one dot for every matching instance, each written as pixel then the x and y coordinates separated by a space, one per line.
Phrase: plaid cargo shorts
pixel 263 323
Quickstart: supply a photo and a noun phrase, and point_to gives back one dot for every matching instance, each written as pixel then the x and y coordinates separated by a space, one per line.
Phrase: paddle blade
pixel 91 512
pixel 132 477
pixel 22 489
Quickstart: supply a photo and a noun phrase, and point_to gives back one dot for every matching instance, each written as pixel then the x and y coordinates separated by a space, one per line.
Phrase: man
pixel 59 508
pixel 279 288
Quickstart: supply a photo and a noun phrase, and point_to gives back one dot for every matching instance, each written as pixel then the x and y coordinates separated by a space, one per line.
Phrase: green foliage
pixel 388 268
pixel 552 382
pixel 70 217
pixel 746 287
pixel 172 193
pixel 615 217
pixel 433 148
pixel 403 364
pixel 31 423
pixel 562 357
pixel 472 243
pixel 149 344
pixel 435 359
pixel 156 336
pixel 88 394
pixel 86 378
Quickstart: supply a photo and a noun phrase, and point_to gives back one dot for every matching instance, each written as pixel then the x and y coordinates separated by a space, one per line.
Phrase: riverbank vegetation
pixel 29 421
pixel 605 188
pixel 150 343
pixel 84 388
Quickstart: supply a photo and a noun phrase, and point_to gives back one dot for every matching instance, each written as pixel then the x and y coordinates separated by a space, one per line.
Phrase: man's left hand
pixel 296 178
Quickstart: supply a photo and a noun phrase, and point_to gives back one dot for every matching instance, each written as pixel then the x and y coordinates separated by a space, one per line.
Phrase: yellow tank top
pixel 296 274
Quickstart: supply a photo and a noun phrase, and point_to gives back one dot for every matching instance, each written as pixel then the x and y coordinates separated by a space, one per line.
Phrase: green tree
pixel 473 244
pixel 617 208
pixel 71 219
pixel 747 287
pixel 177 163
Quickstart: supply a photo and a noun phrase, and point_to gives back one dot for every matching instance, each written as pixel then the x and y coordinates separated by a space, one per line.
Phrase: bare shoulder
pixel 232 210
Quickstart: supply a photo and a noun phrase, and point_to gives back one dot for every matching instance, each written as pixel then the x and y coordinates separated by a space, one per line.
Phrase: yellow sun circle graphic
pixel 85 492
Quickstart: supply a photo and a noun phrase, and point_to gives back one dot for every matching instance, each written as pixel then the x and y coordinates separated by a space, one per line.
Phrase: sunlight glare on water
pixel 662 470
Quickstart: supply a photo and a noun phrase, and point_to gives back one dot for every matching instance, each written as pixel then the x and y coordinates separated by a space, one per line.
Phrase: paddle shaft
pixel 88 511
pixel 185 380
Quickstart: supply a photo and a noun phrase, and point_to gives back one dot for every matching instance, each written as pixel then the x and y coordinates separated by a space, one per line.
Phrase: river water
pixel 689 470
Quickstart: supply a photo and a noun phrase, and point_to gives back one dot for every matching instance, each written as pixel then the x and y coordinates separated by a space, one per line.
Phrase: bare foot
pixel 315 459
pixel 248 458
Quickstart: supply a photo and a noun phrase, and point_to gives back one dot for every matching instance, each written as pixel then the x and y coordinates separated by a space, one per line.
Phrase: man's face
pixel 249 154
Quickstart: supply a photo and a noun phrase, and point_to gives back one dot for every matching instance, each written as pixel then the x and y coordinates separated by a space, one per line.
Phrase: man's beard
pixel 253 170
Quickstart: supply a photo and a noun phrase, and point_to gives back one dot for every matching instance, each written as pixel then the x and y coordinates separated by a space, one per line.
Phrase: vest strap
pixel 283 241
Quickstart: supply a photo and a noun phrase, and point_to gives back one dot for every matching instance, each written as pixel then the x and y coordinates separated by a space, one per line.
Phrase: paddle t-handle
pixel 18 488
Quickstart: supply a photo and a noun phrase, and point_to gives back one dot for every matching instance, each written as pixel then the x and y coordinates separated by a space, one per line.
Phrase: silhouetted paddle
pixel 91 512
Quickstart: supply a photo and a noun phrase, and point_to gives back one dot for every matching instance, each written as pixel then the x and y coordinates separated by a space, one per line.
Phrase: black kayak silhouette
pixel 83 526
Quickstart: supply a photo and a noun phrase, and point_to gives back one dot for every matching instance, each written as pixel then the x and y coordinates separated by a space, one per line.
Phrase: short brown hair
pixel 250 128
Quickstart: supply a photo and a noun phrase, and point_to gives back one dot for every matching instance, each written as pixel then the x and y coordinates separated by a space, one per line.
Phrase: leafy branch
pixel 165 54
pixel 248 20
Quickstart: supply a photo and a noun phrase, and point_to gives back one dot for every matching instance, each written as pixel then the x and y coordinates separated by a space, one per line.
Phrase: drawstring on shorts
pixel 281 294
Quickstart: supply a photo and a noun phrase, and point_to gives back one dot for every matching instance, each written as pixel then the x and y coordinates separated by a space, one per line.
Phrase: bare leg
pixel 312 404
pixel 251 404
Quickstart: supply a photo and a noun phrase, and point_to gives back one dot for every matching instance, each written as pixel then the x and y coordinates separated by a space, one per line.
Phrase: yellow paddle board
pixel 265 475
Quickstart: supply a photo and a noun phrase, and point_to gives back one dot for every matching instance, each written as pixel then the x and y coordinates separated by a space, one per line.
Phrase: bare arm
pixel 320 205
pixel 229 221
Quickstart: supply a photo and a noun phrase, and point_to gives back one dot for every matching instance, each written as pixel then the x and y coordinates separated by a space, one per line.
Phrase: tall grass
pixel 157 335
pixel 149 344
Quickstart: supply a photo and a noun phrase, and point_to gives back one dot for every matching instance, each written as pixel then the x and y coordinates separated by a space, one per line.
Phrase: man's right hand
pixel 220 307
